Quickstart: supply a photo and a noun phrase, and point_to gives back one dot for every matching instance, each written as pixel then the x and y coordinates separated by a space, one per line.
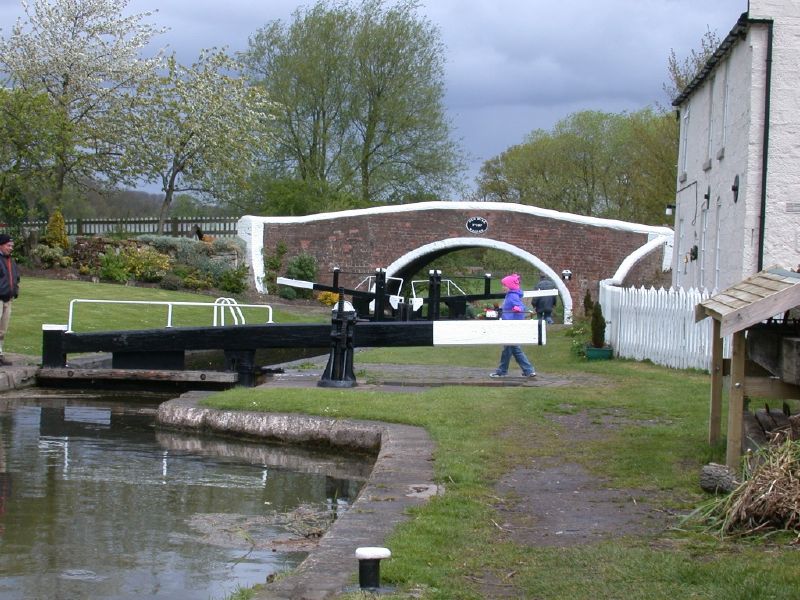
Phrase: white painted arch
pixel 472 242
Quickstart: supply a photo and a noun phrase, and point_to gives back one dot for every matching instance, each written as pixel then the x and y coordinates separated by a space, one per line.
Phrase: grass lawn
pixel 454 542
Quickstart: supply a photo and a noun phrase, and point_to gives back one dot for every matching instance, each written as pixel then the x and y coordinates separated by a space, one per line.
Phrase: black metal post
pixel 380 294
pixel 336 277
pixel 339 370
pixel 434 294
pixel 487 283
pixel 369 574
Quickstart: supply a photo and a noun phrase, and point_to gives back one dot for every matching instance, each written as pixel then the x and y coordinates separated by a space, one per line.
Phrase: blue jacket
pixel 513 298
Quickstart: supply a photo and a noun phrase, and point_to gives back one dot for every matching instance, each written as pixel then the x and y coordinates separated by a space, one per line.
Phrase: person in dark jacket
pixel 9 288
pixel 513 309
pixel 544 305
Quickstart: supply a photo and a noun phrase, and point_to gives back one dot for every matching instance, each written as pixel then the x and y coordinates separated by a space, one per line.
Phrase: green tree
pixel 28 126
pixel 197 129
pixel 357 97
pixel 400 137
pixel 82 55
pixel 592 163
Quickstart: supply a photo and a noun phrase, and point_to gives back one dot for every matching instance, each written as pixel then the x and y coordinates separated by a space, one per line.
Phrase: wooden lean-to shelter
pixel 756 312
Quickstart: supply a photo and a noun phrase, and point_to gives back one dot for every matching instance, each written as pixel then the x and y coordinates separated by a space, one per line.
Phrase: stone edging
pixel 401 479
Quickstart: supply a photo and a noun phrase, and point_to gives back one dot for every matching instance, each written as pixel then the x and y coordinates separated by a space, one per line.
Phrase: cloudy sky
pixel 512 66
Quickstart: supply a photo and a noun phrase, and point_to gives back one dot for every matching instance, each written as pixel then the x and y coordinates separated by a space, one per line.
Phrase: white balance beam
pixel 489 332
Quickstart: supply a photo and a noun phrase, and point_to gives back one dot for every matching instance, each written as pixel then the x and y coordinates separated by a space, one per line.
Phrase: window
pixel 684 139
pixel 725 94
pixel 703 236
pixel 710 140
pixel 716 244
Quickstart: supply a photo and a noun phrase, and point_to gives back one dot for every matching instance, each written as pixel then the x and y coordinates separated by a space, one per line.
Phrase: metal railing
pixel 220 306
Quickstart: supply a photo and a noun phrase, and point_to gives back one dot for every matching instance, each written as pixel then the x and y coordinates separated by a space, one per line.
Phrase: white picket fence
pixel 658 325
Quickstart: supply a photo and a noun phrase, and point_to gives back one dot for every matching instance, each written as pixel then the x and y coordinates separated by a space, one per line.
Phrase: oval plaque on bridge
pixel 477 225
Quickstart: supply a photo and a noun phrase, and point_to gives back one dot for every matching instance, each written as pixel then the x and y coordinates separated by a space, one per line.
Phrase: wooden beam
pixel 736 402
pixel 138 375
pixel 715 405
pixel 770 387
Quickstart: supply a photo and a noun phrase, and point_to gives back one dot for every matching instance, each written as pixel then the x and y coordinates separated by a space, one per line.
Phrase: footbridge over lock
pixel 575 251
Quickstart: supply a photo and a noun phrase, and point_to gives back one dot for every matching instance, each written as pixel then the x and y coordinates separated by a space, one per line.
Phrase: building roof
pixel 768 293
pixel 738 32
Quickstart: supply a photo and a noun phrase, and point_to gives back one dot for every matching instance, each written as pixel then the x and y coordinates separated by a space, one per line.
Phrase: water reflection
pixel 94 503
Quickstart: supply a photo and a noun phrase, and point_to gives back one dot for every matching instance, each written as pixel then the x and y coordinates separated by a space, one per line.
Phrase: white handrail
pixel 218 306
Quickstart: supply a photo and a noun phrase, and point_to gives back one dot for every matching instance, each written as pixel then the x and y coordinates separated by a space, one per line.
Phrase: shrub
pixel 234 280
pixel 598 326
pixel 89 251
pixel 145 263
pixel 302 266
pixel 287 293
pixel 113 268
pixel 273 264
pixel 170 281
pixel 47 256
pixel 328 298
pixel 55 234
pixel 588 304
pixel 196 281
pixel 579 332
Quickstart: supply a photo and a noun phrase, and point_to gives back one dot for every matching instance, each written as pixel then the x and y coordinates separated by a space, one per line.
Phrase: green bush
pixel 113 268
pixel 273 263
pixel 304 267
pixel 287 293
pixel 55 234
pixel 598 326
pixel 234 280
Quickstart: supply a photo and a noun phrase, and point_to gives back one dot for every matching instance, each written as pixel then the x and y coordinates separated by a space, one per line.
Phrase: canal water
pixel 95 502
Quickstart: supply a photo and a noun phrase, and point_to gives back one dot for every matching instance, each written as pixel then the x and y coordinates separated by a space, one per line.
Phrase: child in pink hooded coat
pixel 513 309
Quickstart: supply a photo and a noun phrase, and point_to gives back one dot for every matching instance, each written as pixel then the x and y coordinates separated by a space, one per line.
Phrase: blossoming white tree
pixel 83 54
pixel 197 129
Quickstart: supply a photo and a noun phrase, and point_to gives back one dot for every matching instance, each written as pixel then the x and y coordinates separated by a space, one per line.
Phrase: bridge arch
pixel 415 255
pixel 359 241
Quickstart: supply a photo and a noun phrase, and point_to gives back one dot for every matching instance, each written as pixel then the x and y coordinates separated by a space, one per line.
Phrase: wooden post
pixel 736 403
pixel 715 408
pixel 53 354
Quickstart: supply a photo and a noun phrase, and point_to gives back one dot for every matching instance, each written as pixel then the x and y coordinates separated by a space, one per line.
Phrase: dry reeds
pixel 767 500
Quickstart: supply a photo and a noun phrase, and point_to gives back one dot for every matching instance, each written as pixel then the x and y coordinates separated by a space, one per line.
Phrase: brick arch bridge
pixel 405 238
